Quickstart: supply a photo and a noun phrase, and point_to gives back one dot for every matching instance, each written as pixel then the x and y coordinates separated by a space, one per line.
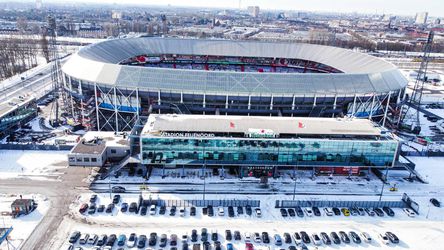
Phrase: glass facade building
pixel 268 151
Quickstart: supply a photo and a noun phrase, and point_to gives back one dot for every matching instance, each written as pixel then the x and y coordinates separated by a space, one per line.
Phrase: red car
pixel 83 208
pixel 249 246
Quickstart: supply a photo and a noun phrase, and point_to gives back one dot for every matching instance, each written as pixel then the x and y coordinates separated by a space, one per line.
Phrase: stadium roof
pixel 363 74
pixel 245 124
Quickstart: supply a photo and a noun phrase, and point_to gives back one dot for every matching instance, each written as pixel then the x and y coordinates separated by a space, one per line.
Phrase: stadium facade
pixel 114 82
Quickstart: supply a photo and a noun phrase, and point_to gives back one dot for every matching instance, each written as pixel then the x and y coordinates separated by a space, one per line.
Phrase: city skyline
pixel 397 7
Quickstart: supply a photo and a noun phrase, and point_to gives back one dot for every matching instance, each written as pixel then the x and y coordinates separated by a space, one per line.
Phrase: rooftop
pixel 94 142
pixel 261 124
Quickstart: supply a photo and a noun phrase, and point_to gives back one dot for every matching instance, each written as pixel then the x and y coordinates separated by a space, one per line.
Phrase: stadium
pixel 114 82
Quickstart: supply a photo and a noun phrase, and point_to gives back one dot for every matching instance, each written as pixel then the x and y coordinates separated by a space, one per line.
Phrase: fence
pixel 31 146
pixel 320 203
pixel 202 203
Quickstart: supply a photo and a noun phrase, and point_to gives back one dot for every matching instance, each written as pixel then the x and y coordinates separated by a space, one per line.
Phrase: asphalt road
pixel 60 195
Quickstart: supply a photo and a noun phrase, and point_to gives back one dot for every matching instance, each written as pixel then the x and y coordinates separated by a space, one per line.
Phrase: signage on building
pixel 181 134
pixel 261 133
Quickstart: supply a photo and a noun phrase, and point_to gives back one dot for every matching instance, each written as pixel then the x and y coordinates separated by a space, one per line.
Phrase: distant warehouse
pixel 254 145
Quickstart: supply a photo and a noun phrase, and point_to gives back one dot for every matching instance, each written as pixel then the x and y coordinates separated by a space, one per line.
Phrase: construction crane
pixel 59 92
pixel 415 100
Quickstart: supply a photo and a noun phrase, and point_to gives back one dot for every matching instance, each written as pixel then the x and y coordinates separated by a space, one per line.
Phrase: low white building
pixel 97 148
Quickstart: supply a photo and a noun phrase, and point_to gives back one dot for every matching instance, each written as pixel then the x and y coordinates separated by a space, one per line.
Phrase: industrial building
pixel 115 82
pixel 255 145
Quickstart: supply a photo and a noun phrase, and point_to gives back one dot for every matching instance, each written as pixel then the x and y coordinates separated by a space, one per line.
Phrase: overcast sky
pixel 402 7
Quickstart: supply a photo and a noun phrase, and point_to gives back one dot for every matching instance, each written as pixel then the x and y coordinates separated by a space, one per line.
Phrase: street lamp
pixel 383 183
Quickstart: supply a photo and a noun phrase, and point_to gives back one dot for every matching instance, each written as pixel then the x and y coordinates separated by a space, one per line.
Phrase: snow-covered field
pixel 32 164
pixel 25 224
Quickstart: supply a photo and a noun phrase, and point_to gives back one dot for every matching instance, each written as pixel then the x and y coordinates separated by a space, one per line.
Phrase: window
pixel 86 159
pixel 72 159
pixel 79 159
pixel 94 159
pixel 113 151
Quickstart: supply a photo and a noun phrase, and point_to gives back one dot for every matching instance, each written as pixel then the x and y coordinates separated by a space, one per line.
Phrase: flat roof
pixel 87 146
pixel 245 124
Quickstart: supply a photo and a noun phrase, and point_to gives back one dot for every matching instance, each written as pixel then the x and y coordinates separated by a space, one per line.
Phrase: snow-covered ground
pixel 32 164
pixel 25 224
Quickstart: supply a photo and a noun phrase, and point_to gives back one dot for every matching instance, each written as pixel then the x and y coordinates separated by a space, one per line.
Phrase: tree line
pixel 18 55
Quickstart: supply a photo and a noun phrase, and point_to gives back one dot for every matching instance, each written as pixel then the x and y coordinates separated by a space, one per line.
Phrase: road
pixel 59 193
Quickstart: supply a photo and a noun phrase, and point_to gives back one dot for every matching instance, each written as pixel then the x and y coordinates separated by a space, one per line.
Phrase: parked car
pixel 74 237
pixel 240 210
pixel 388 211
pixel 344 237
pixel 258 212
pixel 230 211
pixel 214 236
pixel 83 208
pixel 409 212
pixel 247 237
pixel 121 240
pixel 152 241
pixel 193 235
pixel 336 211
pixel 230 246
pixel 361 211
pixel 92 208
pixel 283 212
pixel 220 211
pixel 182 211
pixel 93 198
pixel 392 237
pixel 132 239
pixel 316 211
pixel 297 238
pixel 237 235
pixel 384 239
pixel 173 240
pixel 152 209
pixel 210 211
pixel 265 238
pixel 116 199
pixel 257 238
pixel 248 210
pixel 228 235
pixel 193 211
pixel 328 211
pixel 101 240
pixel 132 207
pixel 299 211
pixel 367 238
pixel 204 234
pixel 370 212
pixel 92 239
pixel 109 208
pixel 83 239
pixel 378 212
pixel 353 211
pixel 291 212
pixel 249 246
pixel 355 237
pixel 124 207
pixel 335 238
pixel 162 210
pixel 111 240
pixel 118 189
pixel 143 210
pixel 173 211
pixel 308 211
pixel 164 240
pixel 142 241
pixel 277 240
pixel 287 238
pixel 325 238
pixel 345 211
pixel 316 239
pixel 305 237
pixel 435 202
